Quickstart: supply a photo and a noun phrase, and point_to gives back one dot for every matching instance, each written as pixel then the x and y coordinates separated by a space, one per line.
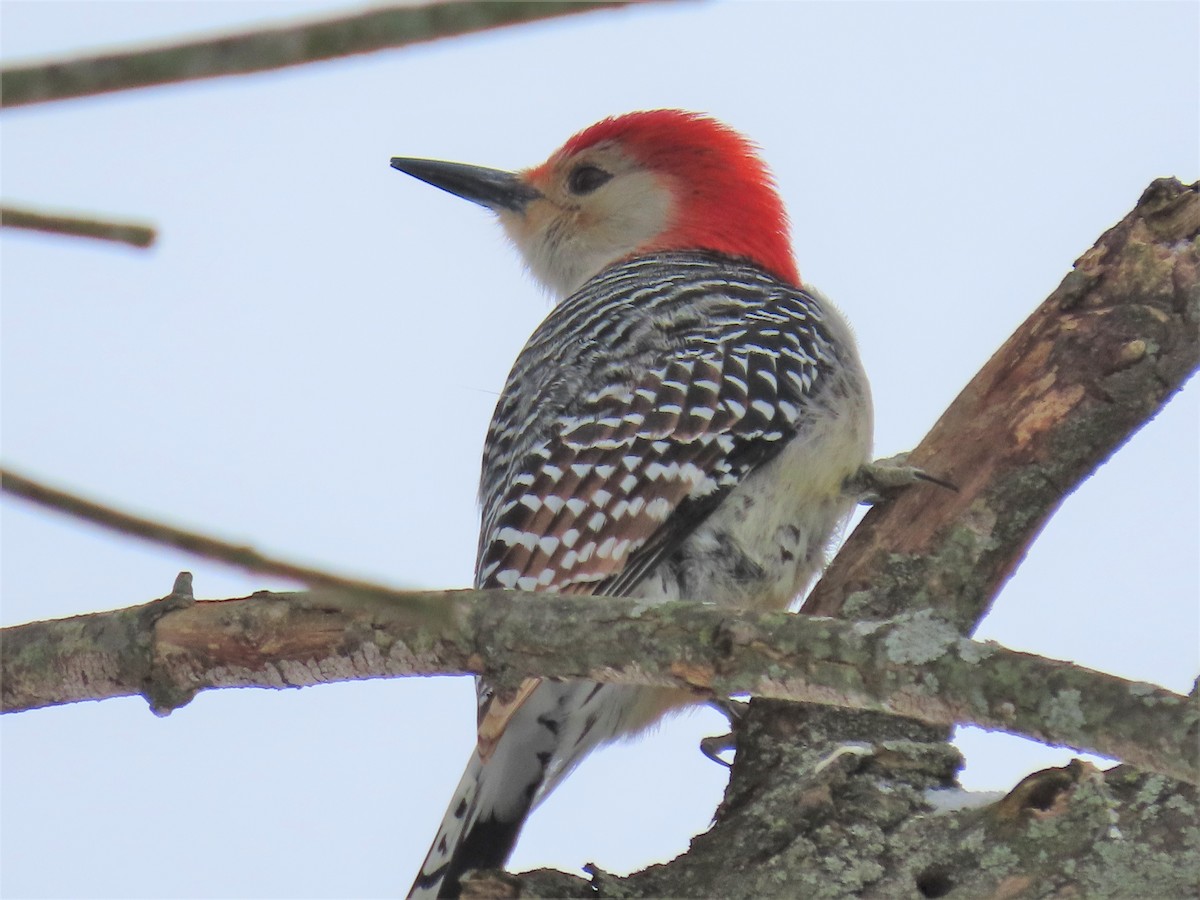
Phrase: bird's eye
pixel 586 179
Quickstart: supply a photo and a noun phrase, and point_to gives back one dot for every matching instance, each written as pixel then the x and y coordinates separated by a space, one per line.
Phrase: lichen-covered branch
pixel 272 48
pixel 916 666
pixel 1093 363
pixel 809 815
pixel 131 233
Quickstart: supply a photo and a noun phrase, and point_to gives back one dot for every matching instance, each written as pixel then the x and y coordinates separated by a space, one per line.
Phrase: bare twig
pixel 916 666
pixel 271 48
pixel 131 233
pixel 241 557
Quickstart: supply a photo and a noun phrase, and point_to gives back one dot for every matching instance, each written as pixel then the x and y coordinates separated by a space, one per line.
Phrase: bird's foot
pixel 876 481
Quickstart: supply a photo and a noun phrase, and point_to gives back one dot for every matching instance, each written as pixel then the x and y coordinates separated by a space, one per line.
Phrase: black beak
pixel 492 188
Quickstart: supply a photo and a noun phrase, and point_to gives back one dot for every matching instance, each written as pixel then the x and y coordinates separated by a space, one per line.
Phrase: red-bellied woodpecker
pixel 682 425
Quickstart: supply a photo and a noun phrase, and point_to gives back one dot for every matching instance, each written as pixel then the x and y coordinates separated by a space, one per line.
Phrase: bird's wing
pixel 623 474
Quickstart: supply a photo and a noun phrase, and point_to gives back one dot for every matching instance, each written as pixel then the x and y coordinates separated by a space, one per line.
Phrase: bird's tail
pixel 554 728
pixel 495 795
pixel 464 839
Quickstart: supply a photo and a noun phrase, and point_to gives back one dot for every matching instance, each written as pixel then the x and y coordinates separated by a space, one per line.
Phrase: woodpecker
pixel 683 424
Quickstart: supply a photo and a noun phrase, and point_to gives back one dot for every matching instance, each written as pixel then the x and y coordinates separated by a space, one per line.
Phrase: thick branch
pixel 131 233
pixel 809 815
pixel 1098 359
pixel 917 666
pixel 272 48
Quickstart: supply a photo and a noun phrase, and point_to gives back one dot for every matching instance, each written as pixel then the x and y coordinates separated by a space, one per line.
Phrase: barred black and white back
pixel 680 427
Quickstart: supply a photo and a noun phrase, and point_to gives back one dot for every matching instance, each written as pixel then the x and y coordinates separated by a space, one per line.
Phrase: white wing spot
pixel 762 406
pixel 509 536
pixel 658 508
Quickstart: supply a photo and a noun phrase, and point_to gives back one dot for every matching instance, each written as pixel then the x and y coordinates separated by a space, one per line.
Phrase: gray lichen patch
pixel 1063 710
pixel 920 638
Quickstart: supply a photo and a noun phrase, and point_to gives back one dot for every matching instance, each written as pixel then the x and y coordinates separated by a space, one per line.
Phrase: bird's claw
pixel 714 745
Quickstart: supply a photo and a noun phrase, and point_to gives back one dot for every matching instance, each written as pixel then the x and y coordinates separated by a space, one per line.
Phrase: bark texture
pixel 915 666
pixel 822 805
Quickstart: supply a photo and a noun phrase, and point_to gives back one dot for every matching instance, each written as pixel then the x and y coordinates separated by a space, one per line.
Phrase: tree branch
pixel 132 233
pixel 1098 359
pixel 808 815
pixel 272 48
pixel 915 666
pixel 239 556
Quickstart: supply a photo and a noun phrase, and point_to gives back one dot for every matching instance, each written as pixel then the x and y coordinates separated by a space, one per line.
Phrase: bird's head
pixel 629 186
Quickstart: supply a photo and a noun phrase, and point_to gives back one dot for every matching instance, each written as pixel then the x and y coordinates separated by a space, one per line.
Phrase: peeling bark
pixel 1097 360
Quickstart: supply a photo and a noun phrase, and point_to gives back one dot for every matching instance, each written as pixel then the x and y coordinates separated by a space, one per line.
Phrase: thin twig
pixel 242 557
pixel 271 48
pixel 131 233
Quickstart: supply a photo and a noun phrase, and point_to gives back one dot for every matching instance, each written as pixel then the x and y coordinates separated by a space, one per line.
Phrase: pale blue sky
pixel 308 359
